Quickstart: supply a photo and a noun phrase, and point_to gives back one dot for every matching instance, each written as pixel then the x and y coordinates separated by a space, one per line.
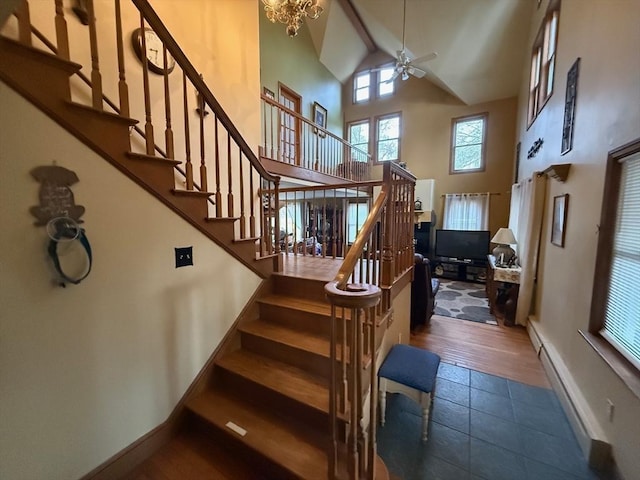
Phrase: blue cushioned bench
pixel 412 372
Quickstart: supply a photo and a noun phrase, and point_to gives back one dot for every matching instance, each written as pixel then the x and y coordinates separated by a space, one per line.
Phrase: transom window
pixel 543 61
pixel 378 82
pixel 388 137
pixel 468 138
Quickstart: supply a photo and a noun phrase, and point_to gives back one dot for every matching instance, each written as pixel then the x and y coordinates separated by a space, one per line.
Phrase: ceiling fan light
pixel 405 75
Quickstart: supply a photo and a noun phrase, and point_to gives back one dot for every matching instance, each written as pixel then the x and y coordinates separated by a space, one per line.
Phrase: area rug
pixel 464 300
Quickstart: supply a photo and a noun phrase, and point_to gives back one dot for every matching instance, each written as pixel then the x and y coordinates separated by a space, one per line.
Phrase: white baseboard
pixel 589 434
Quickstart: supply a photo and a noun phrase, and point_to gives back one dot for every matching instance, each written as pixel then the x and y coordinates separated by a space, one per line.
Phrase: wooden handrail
pixel 355 252
pixel 333 186
pixel 194 77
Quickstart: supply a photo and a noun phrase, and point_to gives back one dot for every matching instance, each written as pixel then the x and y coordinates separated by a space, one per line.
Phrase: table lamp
pixel 503 252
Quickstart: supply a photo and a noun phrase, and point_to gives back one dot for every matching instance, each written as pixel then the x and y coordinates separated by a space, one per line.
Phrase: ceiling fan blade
pixel 395 75
pixel 425 58
pixel 416 72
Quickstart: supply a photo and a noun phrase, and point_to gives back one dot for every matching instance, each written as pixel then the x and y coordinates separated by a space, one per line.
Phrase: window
pixel 386 86
pixel 615 308
pixel 356 216
pixel 468 144
pixel 361 87
pixel 466 211
pixel 388 138
pixel 380 78
pixel 358 136
pixel 543 61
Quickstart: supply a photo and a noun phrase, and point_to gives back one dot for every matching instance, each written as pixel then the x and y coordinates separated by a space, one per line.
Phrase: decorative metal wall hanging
pixel 570 107
pixel 56 197
pixel 535 148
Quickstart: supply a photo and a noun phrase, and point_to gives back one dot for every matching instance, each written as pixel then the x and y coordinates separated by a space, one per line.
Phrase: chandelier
pixel 291 12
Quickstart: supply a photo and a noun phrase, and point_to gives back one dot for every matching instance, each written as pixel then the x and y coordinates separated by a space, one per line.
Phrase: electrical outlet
pixel 610 410
pixel 184 256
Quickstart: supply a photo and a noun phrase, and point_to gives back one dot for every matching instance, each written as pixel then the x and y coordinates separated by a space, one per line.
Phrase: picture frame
pixel 268 93
pixel 319 118
pixel 559 222
pixel 570 107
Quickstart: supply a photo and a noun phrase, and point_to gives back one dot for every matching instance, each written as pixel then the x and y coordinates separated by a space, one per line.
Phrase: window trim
pixel 374 84
pixel 376 122
pixel 359 122
pixel 354 89
pixel 378 76
pixel 628 372
pixel 539 65
pixel 483 152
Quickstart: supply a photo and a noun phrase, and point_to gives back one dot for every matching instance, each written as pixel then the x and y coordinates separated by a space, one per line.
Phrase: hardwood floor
pixel 498 350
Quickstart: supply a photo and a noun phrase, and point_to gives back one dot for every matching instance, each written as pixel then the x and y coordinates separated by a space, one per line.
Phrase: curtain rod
pixel 470 194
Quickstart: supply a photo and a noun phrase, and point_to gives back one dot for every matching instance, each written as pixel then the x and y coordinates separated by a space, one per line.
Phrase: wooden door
pixel 289 126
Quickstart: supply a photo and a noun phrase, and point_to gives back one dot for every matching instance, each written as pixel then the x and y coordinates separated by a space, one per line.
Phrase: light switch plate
pixel 184 256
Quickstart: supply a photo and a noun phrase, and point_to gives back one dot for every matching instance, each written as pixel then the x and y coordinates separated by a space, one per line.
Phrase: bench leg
pixel 425 402
pixel 383 404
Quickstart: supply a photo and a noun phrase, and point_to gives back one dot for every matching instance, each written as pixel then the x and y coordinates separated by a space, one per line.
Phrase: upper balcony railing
pixel 289 138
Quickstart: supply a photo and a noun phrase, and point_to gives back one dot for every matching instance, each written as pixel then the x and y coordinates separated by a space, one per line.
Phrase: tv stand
pixel 465 270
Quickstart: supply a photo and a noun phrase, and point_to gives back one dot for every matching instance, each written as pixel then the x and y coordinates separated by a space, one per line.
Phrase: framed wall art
pixel 570 107
pixel 559 222
pixel 320 117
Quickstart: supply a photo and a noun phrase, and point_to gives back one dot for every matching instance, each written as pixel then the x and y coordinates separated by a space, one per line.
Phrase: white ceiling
pixel 479 42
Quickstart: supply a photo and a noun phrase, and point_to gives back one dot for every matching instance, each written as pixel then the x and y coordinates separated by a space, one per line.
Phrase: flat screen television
pixel 463 244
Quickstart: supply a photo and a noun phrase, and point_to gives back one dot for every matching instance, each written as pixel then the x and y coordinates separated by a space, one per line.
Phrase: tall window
pixel 388 137
pixel 386 86
pixel 466 211
pixel 358 136
pixel 615 309
pixel 468 138
pixel 543 61
pixel 361 87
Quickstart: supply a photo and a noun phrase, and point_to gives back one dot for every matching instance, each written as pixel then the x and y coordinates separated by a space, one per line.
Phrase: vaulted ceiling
pixel 480 43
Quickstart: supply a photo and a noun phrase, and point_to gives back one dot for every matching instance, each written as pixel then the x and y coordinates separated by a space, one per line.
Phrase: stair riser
pixel 309 361
pixel 265 398
pixel 300 288
pixel 299 319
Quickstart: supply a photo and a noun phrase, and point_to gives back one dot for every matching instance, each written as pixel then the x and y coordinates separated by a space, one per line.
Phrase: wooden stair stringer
pixel 43 79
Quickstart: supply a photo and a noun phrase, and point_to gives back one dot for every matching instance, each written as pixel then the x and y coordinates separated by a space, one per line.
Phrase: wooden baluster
pixel 344 391
pixel 203 163
pixel 333 394
pixel 168 132
pixel 217 159
pixel 334 226
pixel 324 224
pixel 276 214
pixel 187 136
pixel 24 23
pixel 273 133
pixel 252 215
pixel 96 77
pixel 148 125
pixel 123 89
pixel 354 397
pixel 62 34
pixel 373 398
pixel 229 178
pixel 243 226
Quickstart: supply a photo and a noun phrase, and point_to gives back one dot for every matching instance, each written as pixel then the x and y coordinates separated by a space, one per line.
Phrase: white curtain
pixel 525 221
pixel 466 211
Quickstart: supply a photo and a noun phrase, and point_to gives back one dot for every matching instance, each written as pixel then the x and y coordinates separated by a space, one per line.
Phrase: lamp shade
pixel 504 236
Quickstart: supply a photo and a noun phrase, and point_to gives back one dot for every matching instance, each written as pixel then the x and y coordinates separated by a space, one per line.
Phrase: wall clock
pixel 155 59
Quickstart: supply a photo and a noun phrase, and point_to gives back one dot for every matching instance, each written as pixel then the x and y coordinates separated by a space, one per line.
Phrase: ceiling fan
pixel 405 66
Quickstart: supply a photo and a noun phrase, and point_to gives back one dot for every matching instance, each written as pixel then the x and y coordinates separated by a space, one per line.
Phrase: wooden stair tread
pixel 315 343
pixel 301 304
pixel 153 158
pixel 295 383
pixel 294 448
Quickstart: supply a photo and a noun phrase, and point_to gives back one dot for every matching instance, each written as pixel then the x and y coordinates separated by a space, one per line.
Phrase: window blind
pixel 622 314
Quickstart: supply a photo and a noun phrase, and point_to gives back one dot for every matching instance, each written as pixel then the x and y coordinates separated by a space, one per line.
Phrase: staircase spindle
pixel 243 226
pixel 229 178
pixel 373 402
pixel 217 168
pixel 148 125
pixel 203 164
pixel 123 89
pixel 24 23
pixel 168 132
pixel 96 77
pixel 187 143
pixel 252 196
pixel 62 34
pixel 276 213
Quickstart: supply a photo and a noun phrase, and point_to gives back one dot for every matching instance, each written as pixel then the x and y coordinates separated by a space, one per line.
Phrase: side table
pixel 503 286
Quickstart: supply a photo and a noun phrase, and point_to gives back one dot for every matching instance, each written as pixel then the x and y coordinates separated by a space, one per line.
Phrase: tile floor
pixel 482 427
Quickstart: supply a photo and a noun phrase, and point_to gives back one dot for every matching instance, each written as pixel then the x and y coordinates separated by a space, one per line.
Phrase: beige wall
pixel 295 63
pixel 89 369
pixel 427 112
pixel 605 35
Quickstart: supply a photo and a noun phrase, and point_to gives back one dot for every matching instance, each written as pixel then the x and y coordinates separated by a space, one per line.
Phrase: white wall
pixel 605 35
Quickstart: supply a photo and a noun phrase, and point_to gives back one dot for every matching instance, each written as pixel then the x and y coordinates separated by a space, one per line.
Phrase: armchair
pixel 423 291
